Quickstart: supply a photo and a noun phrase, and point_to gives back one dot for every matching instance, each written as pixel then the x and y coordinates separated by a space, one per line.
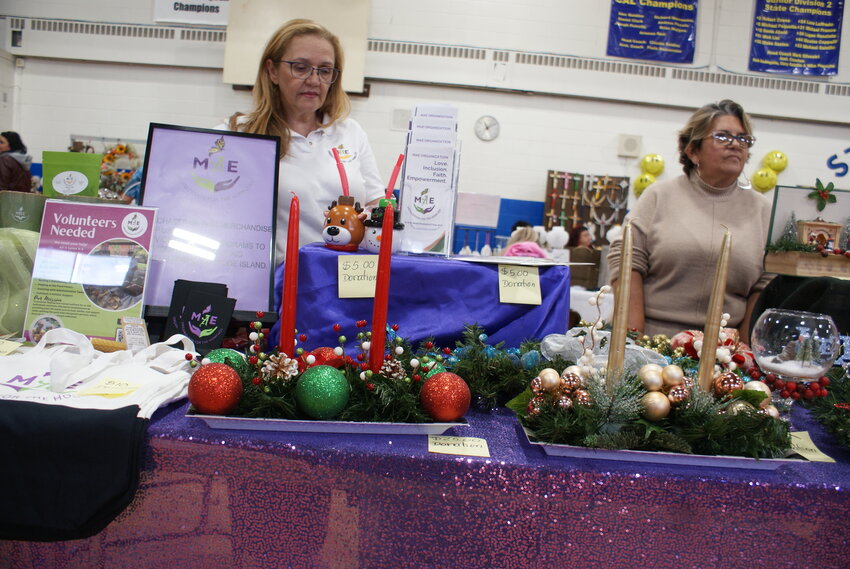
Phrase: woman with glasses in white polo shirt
pixel 298 96
pixel 678 226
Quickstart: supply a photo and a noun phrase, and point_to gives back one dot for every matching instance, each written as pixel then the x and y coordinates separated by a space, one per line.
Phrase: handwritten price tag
pixel 519 284
pixel 356 275
pixel 802 444
pixel 464 446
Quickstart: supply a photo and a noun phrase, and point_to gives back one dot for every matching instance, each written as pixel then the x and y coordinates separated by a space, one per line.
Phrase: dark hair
pixel 519 223
pixel 15 142
pixel 699 126
pixel 575 234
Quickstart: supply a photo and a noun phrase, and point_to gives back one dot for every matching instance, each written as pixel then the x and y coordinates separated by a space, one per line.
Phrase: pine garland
pixel 835 419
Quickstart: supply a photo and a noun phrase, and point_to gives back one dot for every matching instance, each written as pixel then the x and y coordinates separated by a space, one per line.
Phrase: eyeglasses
pixel 301 70
pixel 724 137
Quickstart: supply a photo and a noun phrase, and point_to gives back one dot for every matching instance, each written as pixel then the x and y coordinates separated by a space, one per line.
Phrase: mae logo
pixel 203 324
pixel 20 215
pixel 217 173
pixel 70 182
pixel 345 154
pixel 423 203
pixel 134 224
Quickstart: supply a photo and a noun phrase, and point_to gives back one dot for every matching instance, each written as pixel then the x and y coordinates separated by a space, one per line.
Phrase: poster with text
pixel 217 196
pixel 656 31
pixel 797 37
pixel 90 268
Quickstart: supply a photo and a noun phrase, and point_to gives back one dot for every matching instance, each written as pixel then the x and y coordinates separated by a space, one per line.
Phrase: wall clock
pixel 487 128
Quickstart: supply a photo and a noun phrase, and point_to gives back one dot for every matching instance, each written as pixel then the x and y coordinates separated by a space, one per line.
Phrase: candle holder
pixel 796 346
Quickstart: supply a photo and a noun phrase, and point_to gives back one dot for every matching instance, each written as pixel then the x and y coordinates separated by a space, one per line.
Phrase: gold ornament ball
pixel 655 405
pixel 738 407
pixel 759 386
pixel 672 375
pixel 776 160
pixel 581 397
pixel 648 368
pixel 772 411
pixel 764 179
pixel 678 394
pixel 726 383
pixel 534 406
pixel 651 380
pixel 563 402
pixel 569 382
pixel 549 379
pixel 652 164
pixel 573 369
pixel 642 182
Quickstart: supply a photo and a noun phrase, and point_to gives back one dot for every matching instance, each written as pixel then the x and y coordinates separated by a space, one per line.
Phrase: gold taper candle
pixel 617 345
pixel 708 353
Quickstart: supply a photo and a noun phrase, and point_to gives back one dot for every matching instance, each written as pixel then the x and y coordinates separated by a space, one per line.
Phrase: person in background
pixel 580 237
pixel 523 243
pixel 678 226
pixel 519 223
pixel 298 96
pixel 14 163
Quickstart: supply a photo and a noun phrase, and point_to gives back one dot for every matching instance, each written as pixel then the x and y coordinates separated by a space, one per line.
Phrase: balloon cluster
pixel 764 179
pixel 651 165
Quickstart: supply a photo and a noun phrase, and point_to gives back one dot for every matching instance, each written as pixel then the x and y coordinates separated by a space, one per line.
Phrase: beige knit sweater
pixel 677 231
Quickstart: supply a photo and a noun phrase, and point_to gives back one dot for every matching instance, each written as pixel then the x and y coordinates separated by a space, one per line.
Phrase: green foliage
pixel 784 244
pixel 835 419
pixel 822 194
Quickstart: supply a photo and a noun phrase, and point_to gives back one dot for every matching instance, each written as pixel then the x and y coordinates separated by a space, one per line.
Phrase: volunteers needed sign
pixel 799 37
pixel 656 30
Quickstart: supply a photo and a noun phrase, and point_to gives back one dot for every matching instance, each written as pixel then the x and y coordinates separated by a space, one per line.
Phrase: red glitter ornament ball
pixel 326 356
pixel 445 396
pixel 215 389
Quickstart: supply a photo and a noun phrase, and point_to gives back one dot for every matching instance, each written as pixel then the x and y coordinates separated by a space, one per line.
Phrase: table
pixel 429 297
pixel 213 498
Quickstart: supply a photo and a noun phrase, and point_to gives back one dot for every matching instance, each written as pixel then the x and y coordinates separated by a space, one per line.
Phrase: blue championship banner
pixel 658 30
pixel 799 37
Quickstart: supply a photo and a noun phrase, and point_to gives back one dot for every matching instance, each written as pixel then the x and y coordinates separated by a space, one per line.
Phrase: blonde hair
pixel 268 116
pixel 523 234
pixel 698 128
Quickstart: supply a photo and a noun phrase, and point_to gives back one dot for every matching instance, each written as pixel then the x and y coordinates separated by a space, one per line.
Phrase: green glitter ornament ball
pixel 322 392
pixel 437 368
pixel 230 358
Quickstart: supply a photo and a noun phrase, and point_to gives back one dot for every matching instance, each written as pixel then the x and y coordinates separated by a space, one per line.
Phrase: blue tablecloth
pixel 429 296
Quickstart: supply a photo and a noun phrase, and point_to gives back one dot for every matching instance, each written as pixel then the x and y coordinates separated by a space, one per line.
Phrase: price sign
pixel 464 446
pixel 356 275
pixel 519 284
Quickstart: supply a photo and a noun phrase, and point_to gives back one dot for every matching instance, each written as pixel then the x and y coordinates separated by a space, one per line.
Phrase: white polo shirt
pixel 309 170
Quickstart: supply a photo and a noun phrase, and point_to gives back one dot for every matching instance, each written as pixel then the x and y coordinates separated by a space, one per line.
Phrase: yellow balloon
pixel 652 164
pixel 642 182
pixel 776 160
pixel 764 179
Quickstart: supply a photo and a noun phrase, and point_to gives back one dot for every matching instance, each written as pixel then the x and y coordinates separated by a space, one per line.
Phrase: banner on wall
pixel 210 12
pixel 657 31
pixel 799 37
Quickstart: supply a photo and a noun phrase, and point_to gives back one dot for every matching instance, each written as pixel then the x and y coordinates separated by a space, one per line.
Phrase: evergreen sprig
pixel 835 419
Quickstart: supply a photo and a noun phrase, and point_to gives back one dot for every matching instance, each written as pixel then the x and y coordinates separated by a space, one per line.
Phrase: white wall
pixel 57 98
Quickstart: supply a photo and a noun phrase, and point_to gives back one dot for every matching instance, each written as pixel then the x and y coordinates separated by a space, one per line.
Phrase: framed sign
pixel 216 192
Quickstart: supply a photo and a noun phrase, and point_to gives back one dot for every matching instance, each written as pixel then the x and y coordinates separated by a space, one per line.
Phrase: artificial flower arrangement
pixel 117 167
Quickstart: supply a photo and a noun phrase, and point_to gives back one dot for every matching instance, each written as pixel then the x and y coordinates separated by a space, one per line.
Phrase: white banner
pixel 209 12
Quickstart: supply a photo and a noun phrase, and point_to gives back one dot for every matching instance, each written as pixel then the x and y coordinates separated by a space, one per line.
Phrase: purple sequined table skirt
pixel 211 499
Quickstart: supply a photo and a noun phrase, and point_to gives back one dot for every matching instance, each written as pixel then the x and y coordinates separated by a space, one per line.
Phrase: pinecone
pixel 393 369
pixel 279 366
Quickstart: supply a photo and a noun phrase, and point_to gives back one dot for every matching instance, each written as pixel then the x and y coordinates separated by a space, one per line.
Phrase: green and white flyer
pixel 90 268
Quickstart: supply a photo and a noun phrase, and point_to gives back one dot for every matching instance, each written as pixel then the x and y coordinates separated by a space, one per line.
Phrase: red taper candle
pixel 290 282
pixel 382 293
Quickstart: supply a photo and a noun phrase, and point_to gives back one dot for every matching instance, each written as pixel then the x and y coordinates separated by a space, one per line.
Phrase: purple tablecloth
pixel 212 498
pixel 429 296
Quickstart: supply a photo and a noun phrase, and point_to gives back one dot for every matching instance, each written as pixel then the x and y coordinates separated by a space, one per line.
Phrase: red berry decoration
pixel 447 350
pixel 429 345
pixel 337 327
pixel 361 357
pixel 215 389
pixel 417 377
pixel 256 381
pixel 824 381
pixel 756 375
pixel 795 395
pixel 824 392
pixel 253 360
pixel 302 338
pixel 394 327
pixel 771 377
pixel 847 254
pixel 808 394
pixel 260 314
pixel 445 396
pixel 189 357
pixel 370 386
pixel 784 394
pixel 791 386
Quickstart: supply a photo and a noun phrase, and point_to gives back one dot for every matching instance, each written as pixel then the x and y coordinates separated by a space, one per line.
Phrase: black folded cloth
pixel 823 295
pixel 66 472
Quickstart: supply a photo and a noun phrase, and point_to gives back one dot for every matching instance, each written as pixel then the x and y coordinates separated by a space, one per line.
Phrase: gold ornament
pixel 739 407
pixel 655 405
pixel 581 397
pixel 678 394
pixel 726 383
pixel 771 410
pixel 759 386
pixel 573 369
pixel 549 379
pixel 672 375
pixel 651 380
pixel 534 405
pixel 569 382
